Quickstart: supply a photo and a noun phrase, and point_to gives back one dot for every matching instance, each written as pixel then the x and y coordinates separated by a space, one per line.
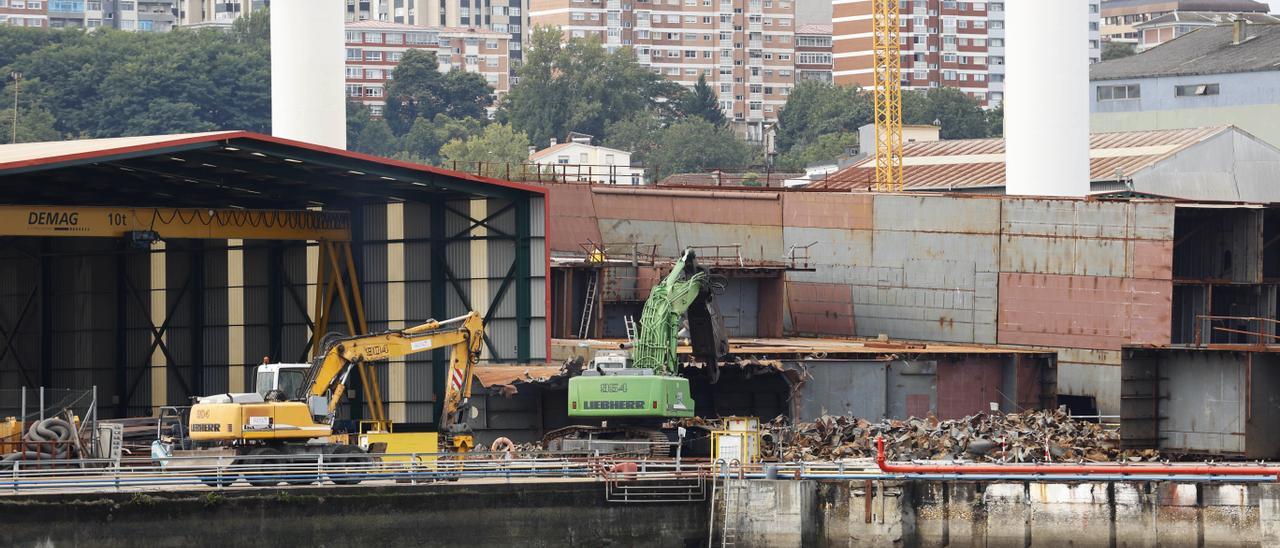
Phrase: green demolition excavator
pixel 640 395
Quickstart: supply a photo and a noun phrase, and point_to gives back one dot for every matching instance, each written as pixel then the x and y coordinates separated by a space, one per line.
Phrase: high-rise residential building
pixel 1119 17
pixel 215 13
pixel 945 43
pixel 20 13
pixel 813 53
pixel 504 16
pixel 744 48
pixel 130 15
pixel 374 48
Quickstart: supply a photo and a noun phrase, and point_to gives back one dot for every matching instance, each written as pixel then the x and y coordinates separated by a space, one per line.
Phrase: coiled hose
pixel 49 439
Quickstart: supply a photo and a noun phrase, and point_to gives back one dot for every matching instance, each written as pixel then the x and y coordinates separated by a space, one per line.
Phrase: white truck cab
pixel 285 377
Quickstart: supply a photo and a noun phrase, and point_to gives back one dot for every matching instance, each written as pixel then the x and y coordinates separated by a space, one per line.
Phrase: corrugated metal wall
pixel 261 305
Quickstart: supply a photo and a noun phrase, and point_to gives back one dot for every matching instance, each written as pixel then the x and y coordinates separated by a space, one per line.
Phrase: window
pixel 353 72
pixel 373 37
pixel 124 6
pixel 1194 90
pixel 1116 93
pixel 491 44
pixel 578 16
pixel 562 159
pixel 353 54
pixel 491 61
pixel 352 36
pixel 394 38
pixel 813 58
pixel 373 56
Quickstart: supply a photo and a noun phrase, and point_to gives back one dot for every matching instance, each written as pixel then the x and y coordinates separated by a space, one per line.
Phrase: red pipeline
pixel 1012 469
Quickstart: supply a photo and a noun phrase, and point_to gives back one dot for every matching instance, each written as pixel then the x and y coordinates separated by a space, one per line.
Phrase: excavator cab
pixel 280 381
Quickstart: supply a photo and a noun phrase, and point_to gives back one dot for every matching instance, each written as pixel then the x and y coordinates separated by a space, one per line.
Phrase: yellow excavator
pixel 292 412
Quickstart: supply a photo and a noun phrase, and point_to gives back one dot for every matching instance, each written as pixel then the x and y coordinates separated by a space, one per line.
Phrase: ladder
pixel 633 331
pixel 729 506
pixel 589 305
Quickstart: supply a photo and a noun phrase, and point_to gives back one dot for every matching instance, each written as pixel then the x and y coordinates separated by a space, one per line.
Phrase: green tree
pixel 423 141
pixel 578 86
pixel 995 121
pixel 959 113
pixel 254 26
pixel 376 138
pixel 638 134
pixel 826 148
pixel 1117 50
pixel 358 116
pixel 489 153
pixel 817 108
pixel 703 102
pixel 696 145
pixel 35 124
pixel 110 84
pixel 419 90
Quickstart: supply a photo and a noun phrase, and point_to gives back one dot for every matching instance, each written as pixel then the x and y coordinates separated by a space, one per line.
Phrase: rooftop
pixel 979 163
pixel 813 29
pixel 1205 51
pixel 561 146
pixel 386 25
pixel 1209 18
pixel 1189 5
pixel 222 169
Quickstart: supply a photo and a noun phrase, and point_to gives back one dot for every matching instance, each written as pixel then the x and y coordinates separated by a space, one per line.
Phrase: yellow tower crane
pixel 888 95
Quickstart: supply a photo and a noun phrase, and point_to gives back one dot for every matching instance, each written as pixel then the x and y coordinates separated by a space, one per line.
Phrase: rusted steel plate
pixel 827 210
pixel 639 206
pixel 1083 311
pixel 567 233
pixel 820 309
pixel 966 386
pixel 753 210
pixel 1153 259
pixel 916 212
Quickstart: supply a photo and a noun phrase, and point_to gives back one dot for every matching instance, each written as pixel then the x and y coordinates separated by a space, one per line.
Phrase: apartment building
pixel 504 16
pixel 1121 17
pixel 215 13
pixel 24 13
pixel 945 43
pixel 129 15
pixel 744 48
pixel 374 48
pixel 813 53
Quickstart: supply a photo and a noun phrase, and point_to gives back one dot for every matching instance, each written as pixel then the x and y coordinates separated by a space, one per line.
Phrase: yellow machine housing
pixel 272 416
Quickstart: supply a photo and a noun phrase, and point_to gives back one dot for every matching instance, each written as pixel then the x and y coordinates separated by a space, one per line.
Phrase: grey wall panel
pixel 538 217
pixel 844 387
pixel 505 221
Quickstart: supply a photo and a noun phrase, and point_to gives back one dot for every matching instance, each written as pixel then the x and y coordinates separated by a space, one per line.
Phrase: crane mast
pixel 887 88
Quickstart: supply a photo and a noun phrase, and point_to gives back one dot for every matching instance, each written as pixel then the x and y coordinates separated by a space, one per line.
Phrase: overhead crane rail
pixel 197 223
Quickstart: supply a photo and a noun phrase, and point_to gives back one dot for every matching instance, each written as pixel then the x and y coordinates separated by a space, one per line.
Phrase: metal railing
pixel 1247 330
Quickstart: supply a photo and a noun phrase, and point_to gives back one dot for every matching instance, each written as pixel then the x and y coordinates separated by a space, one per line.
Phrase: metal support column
pixel 523 270
pixel 121 330
pixel 46 313
pixel 439 308
pixel 195 311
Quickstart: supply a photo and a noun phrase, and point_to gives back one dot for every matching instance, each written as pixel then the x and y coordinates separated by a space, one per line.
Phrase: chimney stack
pixel 1239 30
pixel 553 141
pixel 308 101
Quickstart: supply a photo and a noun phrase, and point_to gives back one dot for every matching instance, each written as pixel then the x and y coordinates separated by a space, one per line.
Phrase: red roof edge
pixel 214 137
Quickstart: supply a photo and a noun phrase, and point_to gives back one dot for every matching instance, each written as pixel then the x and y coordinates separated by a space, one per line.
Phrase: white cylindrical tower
pixel 308 100
pixel 1046 99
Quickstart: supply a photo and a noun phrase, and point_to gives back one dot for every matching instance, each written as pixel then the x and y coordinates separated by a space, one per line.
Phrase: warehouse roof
pixel 1208 50
pixel 223 169
pixel 979 163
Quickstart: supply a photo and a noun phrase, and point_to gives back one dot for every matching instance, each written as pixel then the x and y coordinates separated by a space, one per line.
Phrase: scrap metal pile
pixel 1031 436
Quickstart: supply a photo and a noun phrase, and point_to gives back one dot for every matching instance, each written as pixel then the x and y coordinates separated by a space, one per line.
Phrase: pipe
pixel 1080 469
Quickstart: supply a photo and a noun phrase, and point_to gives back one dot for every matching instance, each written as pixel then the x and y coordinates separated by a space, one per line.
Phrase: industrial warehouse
pixel 1035 338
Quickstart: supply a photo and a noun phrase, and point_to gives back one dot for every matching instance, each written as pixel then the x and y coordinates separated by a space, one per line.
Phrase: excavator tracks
pixel 611 440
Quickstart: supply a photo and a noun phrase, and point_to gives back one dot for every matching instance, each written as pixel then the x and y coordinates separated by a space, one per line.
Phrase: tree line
pixel 107 83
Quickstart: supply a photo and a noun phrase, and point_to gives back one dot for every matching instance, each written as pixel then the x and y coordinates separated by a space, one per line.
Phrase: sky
pixel 1275 5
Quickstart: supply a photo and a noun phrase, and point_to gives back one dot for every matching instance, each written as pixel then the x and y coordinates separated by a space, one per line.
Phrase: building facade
pixel 20 13
pixel 215 13
pixel 744 48
pixel 128 15
pixel 945 43
pixel 504 16
pixel 582 161
pixel 1121 17
pixel 813 53
pixel 374 48
pixel 1233 81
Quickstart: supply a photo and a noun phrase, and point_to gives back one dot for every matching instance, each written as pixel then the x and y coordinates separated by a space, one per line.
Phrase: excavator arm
pixel 327 377
pixel 686 290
